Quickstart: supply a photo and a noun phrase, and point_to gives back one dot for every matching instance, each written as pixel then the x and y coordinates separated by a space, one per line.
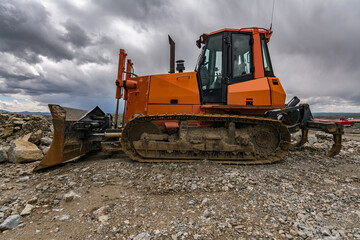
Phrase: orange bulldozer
pixel 231 109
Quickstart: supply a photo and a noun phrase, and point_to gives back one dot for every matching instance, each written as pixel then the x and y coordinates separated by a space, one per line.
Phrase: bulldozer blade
pixel 69 142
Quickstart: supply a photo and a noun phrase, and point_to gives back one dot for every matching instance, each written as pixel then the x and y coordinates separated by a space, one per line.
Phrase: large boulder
pixel 22 151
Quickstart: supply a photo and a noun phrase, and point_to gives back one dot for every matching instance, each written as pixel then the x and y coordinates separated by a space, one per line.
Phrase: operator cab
pixel 227 57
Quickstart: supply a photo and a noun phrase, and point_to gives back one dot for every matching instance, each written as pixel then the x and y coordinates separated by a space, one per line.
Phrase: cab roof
pixel 253 30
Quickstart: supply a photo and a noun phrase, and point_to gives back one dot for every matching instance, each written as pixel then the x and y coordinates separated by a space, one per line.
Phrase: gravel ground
pixel 108 196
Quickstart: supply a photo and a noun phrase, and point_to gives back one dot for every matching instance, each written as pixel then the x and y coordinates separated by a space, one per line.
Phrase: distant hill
pixel 336 115
pixel 34 113
pixel 28 113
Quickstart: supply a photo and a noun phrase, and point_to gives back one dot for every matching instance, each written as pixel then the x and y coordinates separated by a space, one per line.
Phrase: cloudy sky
pixel 66 51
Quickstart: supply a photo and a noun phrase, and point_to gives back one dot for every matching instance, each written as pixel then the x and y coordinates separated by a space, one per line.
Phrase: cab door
pixel 245 86
pixel 210 72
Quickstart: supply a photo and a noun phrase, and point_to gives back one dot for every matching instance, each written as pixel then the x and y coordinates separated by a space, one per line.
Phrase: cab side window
pixel 266 58
pixel 241 55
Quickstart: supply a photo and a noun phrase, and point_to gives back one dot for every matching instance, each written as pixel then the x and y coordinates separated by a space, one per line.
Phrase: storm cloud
pixel 66 52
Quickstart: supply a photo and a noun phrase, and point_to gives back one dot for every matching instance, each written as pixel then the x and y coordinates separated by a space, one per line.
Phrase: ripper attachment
pixel 299 117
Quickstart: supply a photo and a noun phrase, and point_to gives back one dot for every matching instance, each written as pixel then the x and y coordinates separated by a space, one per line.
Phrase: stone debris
pixel 101 214
pixel 142 236
pixel 36 136
pixel 64 217
pixel 27 210
pixel 104 219
pixel 11 222
pixel 23 179
pixel 312 140
pixel 71 196
pixel 325 231
pixel 33 200
pixel 45 150
pixel 196 236
pixel 46 141
pixel 206 213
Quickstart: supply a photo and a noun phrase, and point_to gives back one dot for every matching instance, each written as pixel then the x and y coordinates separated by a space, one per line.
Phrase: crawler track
pixel 227 139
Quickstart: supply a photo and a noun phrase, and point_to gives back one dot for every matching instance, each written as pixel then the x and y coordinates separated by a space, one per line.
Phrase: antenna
pixel 272 14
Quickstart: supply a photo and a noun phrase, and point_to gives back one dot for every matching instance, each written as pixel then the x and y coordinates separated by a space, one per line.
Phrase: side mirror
pixel 201 40
pixel 198 44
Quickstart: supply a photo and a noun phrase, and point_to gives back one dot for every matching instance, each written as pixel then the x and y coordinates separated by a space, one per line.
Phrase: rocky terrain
pixel 24 138
pixel 108 196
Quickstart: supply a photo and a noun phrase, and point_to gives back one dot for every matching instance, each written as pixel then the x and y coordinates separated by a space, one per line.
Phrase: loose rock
pixel 64 217
pixel 46 141
pixel 143 236
pixel 71 196
pixel 11 222
pixel 325 231
pixel 27 210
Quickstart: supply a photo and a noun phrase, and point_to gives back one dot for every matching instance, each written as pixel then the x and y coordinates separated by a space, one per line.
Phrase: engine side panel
pixel 169 109
pixel 161 94
pixel 177 88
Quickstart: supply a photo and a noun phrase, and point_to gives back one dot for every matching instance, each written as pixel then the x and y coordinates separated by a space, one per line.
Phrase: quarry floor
pixel 109 196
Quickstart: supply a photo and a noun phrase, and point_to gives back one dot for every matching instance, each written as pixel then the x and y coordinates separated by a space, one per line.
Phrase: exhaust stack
pixel 172 55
